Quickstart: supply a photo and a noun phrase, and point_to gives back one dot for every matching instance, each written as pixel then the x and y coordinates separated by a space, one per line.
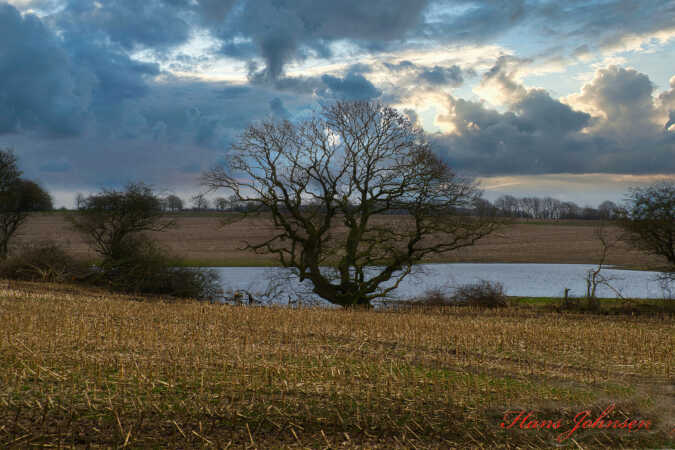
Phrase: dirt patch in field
pixel 205 240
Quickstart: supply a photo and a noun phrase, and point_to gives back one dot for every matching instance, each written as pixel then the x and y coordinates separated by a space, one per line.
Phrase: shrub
pixel 434 297
pixel 484 294
pixel 46 262
pixel 144 268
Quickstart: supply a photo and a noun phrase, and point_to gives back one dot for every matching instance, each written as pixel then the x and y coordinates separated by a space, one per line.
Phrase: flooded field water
pixel 531 280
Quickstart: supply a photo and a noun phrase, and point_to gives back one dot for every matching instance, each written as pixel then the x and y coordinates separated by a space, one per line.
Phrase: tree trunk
pixel 3 249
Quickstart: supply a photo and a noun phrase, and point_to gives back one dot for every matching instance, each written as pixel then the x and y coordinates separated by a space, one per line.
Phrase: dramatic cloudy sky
pixel 574 99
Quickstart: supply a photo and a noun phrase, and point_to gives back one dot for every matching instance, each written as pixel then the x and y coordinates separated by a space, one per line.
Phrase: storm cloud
pixel 166 138
pixel 539 134
pixel 282 31
pixel 285 30
pixel 87 87
pixel 443 75
pixel 129 23
pixel 351 87
pixel 41 89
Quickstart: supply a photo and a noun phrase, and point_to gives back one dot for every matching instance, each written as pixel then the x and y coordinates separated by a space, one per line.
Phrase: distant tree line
pixel 545 208
pixel 550 208
pixel 199 202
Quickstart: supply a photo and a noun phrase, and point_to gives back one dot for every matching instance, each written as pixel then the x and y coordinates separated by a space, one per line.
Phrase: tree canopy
pixel 18 197
pixel 328 181
pixel 112 218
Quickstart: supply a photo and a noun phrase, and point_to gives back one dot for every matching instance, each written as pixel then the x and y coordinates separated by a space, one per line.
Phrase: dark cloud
pixel 671 121
pixel 441 76
pixel 63 84
pixel 284 30
pixel 297 84
pixel 278 109
pixel 70 74
pixel 115 77
pixel 539 134
pixel 115 123
pixel 351 87
pixel 56 165
pixel 360 68
pixel 230 92
pixel 280 31
pixel 402 65
pixel 603 23
pixel 432 76
pixel 277 49
pixel 470 21
pixel 214 11
pixel 175 131
pixel 149 23
pixel 41 89
pixel 542 113
pixel 488 142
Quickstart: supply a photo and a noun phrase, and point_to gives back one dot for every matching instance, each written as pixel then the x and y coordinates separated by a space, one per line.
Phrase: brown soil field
pixel 204 240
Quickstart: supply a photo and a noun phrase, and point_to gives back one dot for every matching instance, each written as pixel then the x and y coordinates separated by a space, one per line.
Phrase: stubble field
pixel 83 367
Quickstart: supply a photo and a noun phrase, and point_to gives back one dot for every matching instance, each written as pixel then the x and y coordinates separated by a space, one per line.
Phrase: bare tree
pixel 531 206
pixel 595 277
pixel 221 204
pixel 17 201
pixel 355 161
pixel 483 207
pixel 551 208
pixel 569 210
pixel 113 219
pixel 508 204
pixel 199 202
pixel 79 200
pixel 18 198
pixel 648 218
pixel 174 203
pixel 590 213
pixel 34 197
pixel 9 172
pixel 607 210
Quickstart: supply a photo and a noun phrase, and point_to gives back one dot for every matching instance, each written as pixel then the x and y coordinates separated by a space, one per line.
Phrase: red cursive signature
pixel 526 421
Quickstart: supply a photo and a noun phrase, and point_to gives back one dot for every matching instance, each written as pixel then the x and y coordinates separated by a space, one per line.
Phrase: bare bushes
pixel 116 223
pixel 45 262
pixel 435 297
pixel 481 294
pixel 144 268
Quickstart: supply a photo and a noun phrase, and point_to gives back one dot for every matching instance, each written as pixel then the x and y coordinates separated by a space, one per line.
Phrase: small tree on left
pixel 114 221
pixel 18 198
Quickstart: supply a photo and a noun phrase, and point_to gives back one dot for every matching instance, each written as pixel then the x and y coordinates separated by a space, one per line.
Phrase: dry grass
pixel 88 368
pixel 201 240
